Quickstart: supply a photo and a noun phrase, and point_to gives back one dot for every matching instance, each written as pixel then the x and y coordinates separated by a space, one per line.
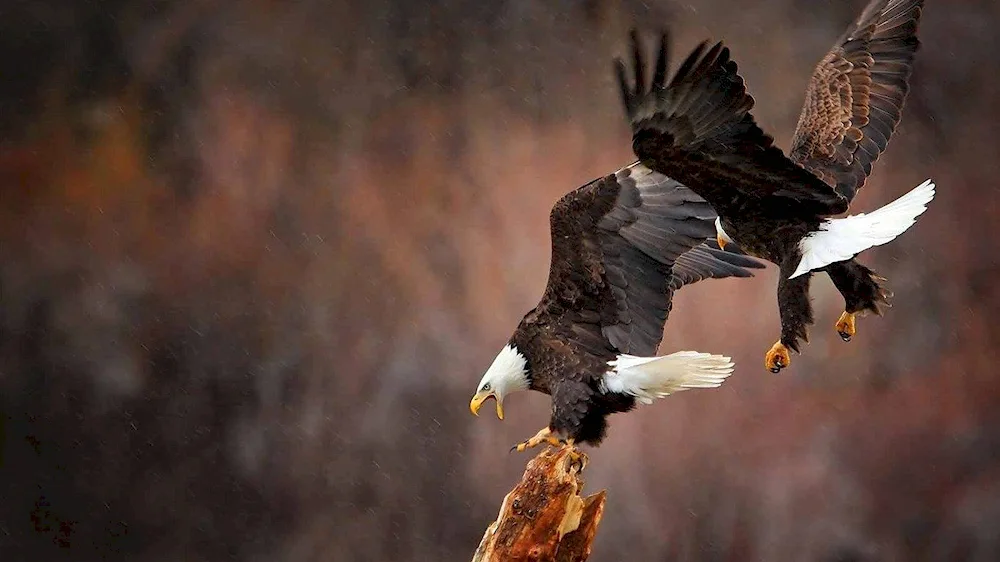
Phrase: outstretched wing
pixel 856 94
pixel 622 244
pixel 699 130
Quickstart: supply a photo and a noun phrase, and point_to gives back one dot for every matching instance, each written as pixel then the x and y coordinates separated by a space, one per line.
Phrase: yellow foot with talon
pixel 543 436
pixel 845 326
pixel 777 358
pixel 577 457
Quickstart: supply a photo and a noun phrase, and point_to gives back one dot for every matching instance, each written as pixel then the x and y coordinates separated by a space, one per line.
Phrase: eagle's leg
pixel 861 291
pixel 544 435
pixel 796 315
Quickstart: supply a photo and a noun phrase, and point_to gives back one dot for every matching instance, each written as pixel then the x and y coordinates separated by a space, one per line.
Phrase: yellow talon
pixel 543 436
pixel 577 457
pixel 777 358
pixel 845 326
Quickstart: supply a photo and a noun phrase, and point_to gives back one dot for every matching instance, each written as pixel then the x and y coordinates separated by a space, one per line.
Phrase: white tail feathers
pixel 842 239
pixel 648 378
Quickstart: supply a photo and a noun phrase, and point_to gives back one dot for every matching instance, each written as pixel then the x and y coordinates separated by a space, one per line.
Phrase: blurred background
pixel 255 256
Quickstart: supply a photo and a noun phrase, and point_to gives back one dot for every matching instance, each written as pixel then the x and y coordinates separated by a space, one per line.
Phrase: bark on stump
pixel 544 518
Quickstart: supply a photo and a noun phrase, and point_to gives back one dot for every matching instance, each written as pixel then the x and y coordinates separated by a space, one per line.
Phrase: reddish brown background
pixel 254 257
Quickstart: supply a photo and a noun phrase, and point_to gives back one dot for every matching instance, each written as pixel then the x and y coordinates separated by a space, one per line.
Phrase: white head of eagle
pixel 508 373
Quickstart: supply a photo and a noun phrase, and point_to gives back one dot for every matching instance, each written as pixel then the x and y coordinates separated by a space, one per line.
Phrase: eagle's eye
pixel 486 387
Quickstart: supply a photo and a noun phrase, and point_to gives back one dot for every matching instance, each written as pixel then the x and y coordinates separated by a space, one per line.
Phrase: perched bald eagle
pixel 699 130
pixel 621 246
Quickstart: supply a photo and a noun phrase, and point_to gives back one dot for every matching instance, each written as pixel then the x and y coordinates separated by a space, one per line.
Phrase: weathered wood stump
pixel 544 518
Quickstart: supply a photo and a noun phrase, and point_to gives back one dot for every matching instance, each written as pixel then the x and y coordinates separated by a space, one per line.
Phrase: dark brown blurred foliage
pixel 255 255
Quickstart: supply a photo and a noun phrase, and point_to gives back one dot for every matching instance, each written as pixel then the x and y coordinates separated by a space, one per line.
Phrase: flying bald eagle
pixel 699 130
pixel 621 246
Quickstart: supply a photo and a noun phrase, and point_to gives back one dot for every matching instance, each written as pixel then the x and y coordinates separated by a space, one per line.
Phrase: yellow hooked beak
pixel 721 241
pixel 479 398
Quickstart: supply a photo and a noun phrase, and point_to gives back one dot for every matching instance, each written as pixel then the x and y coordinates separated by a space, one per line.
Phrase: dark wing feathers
pixel 707 261
pixel 856 94
pixel 699 130
pixel 622 244
pixel 639 286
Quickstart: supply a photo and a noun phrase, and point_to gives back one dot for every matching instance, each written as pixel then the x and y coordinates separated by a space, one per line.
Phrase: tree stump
pixel 544 518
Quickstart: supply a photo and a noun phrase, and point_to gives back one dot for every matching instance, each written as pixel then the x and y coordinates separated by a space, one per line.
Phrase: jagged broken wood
pixel 544 518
